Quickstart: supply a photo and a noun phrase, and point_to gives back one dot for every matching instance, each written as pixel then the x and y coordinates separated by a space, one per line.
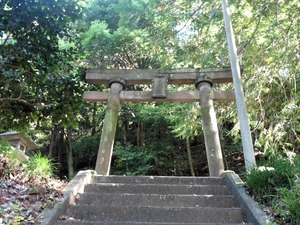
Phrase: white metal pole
pixel 239 93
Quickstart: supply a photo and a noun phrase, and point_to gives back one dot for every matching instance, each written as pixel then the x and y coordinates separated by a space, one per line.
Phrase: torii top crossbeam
pixel 158 78
pixel 145 76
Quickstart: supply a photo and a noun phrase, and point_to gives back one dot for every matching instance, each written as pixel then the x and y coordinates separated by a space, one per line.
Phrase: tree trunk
pixel 53 140
pixel 94 119
pixel 189 153
pixel 142 133
pixel 138 136
pixel 56 146
pixel 124 131
pixel 70 153
pixel 60 147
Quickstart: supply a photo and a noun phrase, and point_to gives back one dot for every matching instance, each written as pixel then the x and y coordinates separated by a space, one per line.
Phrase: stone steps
pixel 158 188
pixel 143 200
pixel 156 214
pixel 158 200
pixel 160 180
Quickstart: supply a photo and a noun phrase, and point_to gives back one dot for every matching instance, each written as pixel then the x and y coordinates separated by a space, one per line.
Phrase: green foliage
pixel 85 151
pixel 273 173
pixel 9 160
pixel 5 147
pixel 39 167
pixel 36 167
pixel 186 121
pixel 155 158
pixel 99 10
pixel 130 160
pixel 288 204
pixel 122 48
pixel 40 86
pixel 30 32
pixel 31 60
pixel 276 184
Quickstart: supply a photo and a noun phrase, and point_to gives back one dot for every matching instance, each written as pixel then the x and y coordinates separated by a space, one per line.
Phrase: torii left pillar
pixel 210 127
pixel 109 127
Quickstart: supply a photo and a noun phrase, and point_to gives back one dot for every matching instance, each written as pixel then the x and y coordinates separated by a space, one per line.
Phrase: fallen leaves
pixel 22 201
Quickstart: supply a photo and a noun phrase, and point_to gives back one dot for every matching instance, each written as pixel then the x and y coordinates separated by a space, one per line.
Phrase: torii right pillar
pixel 210 127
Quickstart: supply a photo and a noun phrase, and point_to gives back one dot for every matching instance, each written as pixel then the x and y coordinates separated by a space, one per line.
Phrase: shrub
pixel 85 151
pixel 8 160
pixel 39 167
pixel 5 147
pixel 277 184
pixel 130 160
pixel 288 203
pixel 264 181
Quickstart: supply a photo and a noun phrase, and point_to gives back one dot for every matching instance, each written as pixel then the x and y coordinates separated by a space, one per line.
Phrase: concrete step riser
pixel 160 180
pixel 67 222
pixel 159 189
pixel 146 214
pixel 157 200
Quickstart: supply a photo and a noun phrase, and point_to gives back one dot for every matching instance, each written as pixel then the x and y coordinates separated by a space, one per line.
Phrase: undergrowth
pixel 27 187
pixel 275 183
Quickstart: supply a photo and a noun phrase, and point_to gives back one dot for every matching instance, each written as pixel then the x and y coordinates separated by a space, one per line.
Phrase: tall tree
pixel 31 59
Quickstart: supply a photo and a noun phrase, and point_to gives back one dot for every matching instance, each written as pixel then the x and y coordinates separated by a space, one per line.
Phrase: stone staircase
pixel 147 200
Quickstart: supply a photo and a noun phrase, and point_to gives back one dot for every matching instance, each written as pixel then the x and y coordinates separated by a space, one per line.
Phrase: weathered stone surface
pixel 147 200
pixel 160 180
pixel 158 200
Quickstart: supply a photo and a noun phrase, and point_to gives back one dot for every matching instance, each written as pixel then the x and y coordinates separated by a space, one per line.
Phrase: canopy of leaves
pixel 34 70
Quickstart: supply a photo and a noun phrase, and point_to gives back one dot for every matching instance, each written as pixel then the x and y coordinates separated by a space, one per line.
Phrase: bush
pixel 277 185
pixel 39 167
pixel 132 161
pixel 36 167
pixel 85 151
pixel 5 147
pixel 8 162
pixel 264 180
pixel 288 203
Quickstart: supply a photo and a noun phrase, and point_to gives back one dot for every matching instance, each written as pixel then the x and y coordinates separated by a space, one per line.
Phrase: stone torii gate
pixel 117 81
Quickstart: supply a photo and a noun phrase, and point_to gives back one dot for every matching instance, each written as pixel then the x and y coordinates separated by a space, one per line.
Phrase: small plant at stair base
pixel 288 203
pixel 39 167
pixel 277 186
pixel 264 181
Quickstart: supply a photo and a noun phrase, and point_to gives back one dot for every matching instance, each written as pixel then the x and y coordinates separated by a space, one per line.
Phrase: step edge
pixel 157 207
pixel 74 187
pixel 163 185
pixel 152 194
pixel 252 210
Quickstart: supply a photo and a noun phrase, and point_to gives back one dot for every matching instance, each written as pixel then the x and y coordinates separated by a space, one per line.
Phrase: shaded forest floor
pixel 21 201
